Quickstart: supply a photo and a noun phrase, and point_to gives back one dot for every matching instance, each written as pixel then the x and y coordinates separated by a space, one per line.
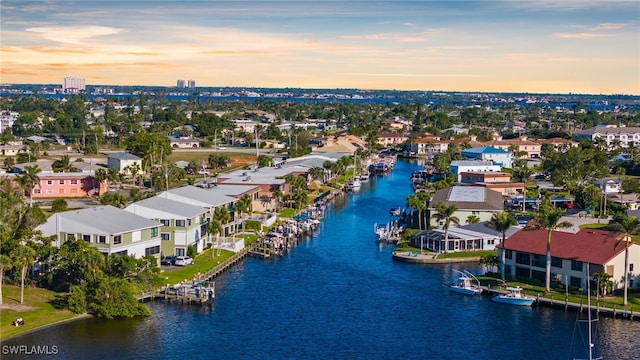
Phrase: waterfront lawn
pixel 287 213
pixel 466 254
pixel 201 264
pixel 41 307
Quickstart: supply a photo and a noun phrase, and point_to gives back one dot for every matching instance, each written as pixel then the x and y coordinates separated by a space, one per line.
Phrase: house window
pixel 180 252
pixel 36 191
pixel 576 265
pixel 523 258
pixel 61 182
pixel 575 281
pixel 86 238
pixel 117 239
pixel 154 232
pixel 631 267
pixel 121 253
pixel 539 261
pixel 180 223
pixel 152 250
pixel 509 254
pixel 165 222
pixel 49 182
pixel 556 262
pixel 102 239
pixel 74 182
pixel 165 236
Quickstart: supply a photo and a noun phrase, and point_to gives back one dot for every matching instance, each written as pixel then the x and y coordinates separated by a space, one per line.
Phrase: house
pixel 469 200
pixel 570 252
pixel 391 139
pixel 11 150
pixel 611 135
pixel 496 181
pixel 209 199
pixel 558 144
pixel 528 148
pixel 124 160
pixel 183 224
pixel 68 185
pixel 458 167
pixel 609 185
pixel 457 239
pixel 429 145
pixel 488 153
pixel 111 230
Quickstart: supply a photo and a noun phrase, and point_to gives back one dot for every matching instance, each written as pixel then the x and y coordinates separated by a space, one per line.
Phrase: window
pixel 102 239
pixel 523 258
pixel 165 222
pixel 165 236
pixel 36 191
pixel 509 254
pixel 86 238
pixel 180 223
pixel 152 250
pixel 631 267
pixel 575 281
pixel 49 182
pixel 154 232
pixel 117 239
pixel 121 253
pixel 61 182
pixel 556 262
pixel 180 252
pixel 539 261
pixel 576 265
pixel 74 182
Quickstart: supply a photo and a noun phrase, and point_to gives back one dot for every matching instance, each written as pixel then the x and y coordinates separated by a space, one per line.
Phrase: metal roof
pixel 167 206
pixel 193 195
pixel 123 156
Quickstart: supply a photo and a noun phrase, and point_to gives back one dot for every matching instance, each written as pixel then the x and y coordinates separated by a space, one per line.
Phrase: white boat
pixel 514 297
pixel 395 211
pixel 354 185
pixel 382 231
pixel 467 284
pixel 364 177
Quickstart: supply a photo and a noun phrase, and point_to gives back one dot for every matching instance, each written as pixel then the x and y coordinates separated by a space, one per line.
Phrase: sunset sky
pixel 562 46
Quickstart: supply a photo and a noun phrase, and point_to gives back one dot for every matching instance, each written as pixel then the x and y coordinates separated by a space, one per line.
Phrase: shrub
pixel 59 205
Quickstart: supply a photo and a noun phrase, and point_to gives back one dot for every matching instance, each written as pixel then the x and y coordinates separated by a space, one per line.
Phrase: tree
pixel 23 257
pixel 59 205
pixel 489 260
pixel 100 176
pixel 473 219
pixel 29 180
pixel 63 165
pixel 603 281
pixel 444 213
pixel 114 199
pixel 214 227
pixel 5 265
pixel 418 201
pixel 548 219
pixel 626 226
pixel 501 222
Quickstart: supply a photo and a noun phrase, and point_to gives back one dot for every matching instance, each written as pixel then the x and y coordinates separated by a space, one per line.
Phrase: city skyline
pixel 493 46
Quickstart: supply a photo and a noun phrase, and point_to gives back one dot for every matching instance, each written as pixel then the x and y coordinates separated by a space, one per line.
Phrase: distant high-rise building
pixel 191 84
pixel 180 84
pixel 73 85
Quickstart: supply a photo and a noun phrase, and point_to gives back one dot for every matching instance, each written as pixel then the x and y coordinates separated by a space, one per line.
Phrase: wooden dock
pixel 563 303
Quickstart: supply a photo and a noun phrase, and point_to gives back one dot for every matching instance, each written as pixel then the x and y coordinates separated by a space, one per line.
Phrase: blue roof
pixel 484 150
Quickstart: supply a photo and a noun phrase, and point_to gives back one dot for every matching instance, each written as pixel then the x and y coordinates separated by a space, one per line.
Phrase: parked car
pixel 168 260
pixel 183 261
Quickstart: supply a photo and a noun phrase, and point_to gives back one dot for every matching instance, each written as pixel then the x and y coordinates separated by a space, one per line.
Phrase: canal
pixel 338 295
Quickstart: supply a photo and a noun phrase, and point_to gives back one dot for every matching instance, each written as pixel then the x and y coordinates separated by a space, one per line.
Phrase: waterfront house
pixel 457 239
pixel 458 167
pixel 122 160
pixel 611 135
pixel 182 224
pixel 469 200
pixel 526 257
pixel 496 181
pixel 429 146
pixel 111 230
pixel 391 138
pixel 488 153
pixel 209 199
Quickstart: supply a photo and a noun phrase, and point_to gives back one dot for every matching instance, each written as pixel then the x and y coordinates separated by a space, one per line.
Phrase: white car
pixel 183 261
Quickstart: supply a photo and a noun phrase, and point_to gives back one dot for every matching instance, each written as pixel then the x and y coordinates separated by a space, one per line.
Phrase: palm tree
pixel 473 219
pixel 5 265
pixel 23 257
pixel 628 226
pixel 214 227
pixel 414 202
pixel 222 215
pixel 501 222
pixel 444 212
pixel 29 180
pixel 100 176
pixel 277 196
pixel 548 218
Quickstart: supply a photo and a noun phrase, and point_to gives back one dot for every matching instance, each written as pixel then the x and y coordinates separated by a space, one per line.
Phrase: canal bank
pixel 339 295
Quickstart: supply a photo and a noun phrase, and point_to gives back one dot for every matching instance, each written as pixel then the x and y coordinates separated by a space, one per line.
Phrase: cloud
pixel 583 36
pixel 416 75
pixel 74 34
pixel 607 26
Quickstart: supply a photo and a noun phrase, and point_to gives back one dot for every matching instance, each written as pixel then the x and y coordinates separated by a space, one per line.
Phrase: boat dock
pixel 564 303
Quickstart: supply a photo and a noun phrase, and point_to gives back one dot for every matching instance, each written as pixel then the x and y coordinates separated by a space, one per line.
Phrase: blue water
pixel 339 295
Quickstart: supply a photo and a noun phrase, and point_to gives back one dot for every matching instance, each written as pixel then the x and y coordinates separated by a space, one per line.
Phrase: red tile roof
pixel 587 245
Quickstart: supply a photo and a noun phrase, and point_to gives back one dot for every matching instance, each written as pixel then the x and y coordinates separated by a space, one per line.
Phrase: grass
pixel 287 213
pixel 202 263
pixel 466 254
pixel 41 307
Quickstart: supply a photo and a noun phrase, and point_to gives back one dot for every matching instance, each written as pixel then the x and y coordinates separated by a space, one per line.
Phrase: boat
pixel 382 231
pixel 395 211
pixel 514 297
pixel 590 346
pixel 353 185
pixel 467 284
pixel 364 177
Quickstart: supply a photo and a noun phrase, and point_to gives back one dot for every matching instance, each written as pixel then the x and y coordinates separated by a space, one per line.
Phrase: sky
pixel 563 46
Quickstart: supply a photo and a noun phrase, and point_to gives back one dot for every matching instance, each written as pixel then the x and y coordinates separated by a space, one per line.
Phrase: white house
pixel 469 200
pixel 457 167
pixel 110 229
pixel 121 160
pixel 182 224
pixel 488 153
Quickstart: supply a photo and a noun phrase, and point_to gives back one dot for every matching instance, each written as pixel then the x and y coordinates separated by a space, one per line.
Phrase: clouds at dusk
pixel 412 45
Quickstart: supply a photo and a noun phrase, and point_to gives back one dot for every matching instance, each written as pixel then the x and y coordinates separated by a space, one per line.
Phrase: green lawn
pixel 41 307
pixel 466 254
pixel 202 263
pixel 287 213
